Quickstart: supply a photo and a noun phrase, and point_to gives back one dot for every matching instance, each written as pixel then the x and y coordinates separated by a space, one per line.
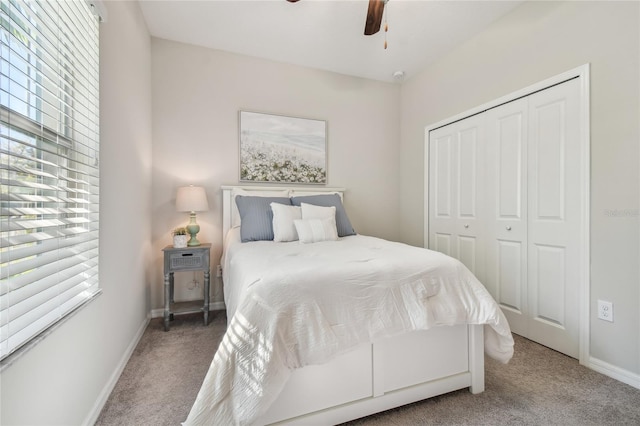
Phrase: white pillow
pixel 311 211
pixel 316 230
pixel 283 216
pixel 235 215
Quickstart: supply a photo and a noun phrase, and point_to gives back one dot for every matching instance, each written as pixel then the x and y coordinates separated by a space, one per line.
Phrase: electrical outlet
pixel 605 310
pixel 193 284
pixel 219 271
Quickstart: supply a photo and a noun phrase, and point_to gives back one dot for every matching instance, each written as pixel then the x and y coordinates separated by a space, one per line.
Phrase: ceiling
pixel 326 34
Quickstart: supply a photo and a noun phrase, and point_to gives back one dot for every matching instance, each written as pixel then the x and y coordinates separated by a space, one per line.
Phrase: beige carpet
pixel 538 387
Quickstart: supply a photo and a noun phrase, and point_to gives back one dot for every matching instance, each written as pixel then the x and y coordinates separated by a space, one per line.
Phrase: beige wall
pixel 64 379
pixel 197 94
pixel 534 42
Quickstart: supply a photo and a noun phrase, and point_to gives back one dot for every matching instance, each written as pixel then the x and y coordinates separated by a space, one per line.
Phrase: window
pixel 49 179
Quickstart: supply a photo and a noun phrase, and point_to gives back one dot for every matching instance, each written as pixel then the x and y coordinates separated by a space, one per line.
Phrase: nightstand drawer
pixel 187 260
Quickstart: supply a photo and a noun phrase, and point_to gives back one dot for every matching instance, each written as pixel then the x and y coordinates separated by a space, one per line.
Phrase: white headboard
pixel 229 208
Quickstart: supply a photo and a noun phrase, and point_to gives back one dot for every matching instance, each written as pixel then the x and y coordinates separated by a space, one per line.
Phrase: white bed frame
pixel 377 376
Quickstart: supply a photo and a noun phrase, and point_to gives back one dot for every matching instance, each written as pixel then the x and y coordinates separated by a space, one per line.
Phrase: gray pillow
pixel 256 217
pixel 327 200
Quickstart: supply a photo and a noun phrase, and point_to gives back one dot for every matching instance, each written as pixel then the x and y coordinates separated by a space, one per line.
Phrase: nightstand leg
pixel 206 297
pixel 167 298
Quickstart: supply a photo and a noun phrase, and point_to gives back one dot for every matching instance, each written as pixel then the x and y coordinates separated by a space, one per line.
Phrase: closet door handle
pixel 466 225
pixel 508 228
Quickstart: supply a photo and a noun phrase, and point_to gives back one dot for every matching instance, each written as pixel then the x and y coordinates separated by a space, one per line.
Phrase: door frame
pixel 584 287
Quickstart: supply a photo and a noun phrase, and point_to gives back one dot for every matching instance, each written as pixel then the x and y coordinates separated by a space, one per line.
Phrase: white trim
pixel 425 191
pixel 94 413
pixel 585 255
pixel 620 374
pixel 582 73
pixel 213 306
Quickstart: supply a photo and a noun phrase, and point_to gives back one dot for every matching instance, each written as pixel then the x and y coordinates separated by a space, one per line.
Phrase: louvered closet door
pixel 456 155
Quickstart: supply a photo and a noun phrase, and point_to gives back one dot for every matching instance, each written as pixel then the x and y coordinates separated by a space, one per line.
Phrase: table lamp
pixel 192 199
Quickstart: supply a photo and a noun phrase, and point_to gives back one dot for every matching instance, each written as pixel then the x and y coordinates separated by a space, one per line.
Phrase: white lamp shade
pixel 191 199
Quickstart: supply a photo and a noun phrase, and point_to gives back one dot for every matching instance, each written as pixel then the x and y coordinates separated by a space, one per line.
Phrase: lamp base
pixel 193 228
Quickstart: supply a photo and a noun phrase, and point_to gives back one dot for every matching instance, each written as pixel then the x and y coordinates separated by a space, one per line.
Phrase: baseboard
pixel 92 417
pixel 614 372
pixel 213 306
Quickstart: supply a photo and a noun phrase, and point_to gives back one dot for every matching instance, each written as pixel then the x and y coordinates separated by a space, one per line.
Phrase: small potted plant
pixel 180 237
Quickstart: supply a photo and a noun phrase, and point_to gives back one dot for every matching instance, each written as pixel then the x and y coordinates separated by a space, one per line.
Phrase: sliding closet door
pixel 554 217
pixel 456 186
pixel 506 205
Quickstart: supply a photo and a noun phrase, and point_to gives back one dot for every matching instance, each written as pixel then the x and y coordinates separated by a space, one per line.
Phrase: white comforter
pixel 293 304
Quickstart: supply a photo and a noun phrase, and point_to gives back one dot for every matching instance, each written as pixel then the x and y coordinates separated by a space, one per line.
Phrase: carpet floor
pixel 538 387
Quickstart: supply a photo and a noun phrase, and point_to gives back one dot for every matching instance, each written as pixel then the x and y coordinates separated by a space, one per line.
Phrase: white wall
pixel 534 42
pixel 63 379
pixel 197 94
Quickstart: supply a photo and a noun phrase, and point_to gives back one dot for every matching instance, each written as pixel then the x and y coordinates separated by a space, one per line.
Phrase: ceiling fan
pixel 374 16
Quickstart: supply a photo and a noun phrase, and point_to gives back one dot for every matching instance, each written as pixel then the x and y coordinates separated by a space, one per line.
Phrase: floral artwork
pixel 275 148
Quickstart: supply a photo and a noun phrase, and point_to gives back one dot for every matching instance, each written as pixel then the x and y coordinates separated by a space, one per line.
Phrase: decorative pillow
pixel 235 215
pixel 256 217
pixel 316 230
pixel 342 220
pixel 283 227
pixel 310 211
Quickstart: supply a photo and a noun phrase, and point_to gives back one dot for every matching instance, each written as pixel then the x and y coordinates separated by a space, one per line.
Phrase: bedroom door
pixel 456 189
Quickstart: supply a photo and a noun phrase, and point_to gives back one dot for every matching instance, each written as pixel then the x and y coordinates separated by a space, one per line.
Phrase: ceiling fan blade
pixel 374 16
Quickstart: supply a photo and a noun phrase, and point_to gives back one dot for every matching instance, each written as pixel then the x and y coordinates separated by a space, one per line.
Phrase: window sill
pixel 12 358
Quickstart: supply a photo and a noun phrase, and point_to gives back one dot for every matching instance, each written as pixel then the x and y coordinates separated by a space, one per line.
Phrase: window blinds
pixel 49 180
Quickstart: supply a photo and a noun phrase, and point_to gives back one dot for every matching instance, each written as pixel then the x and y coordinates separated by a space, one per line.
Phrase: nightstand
pixel 196 258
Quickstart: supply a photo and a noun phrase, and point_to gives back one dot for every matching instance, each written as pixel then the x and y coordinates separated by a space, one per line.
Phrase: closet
pixel 505 199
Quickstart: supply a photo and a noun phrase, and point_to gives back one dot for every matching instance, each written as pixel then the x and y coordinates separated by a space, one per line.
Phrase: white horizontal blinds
pixel 49 180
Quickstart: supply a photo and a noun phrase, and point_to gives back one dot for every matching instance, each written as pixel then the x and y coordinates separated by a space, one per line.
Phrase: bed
pixel 335 329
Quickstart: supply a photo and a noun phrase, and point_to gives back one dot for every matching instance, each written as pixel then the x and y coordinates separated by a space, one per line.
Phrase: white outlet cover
pixel 605 310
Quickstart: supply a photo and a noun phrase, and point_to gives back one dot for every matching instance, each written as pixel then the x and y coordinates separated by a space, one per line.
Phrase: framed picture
pixel 276 148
